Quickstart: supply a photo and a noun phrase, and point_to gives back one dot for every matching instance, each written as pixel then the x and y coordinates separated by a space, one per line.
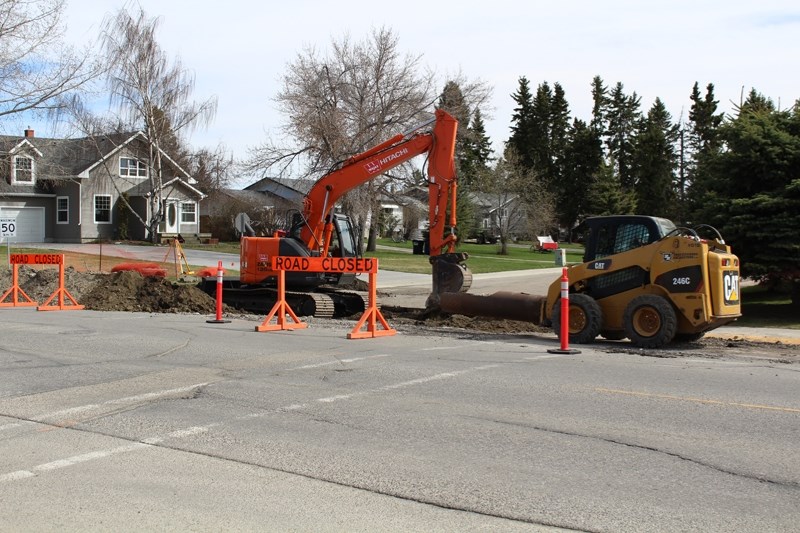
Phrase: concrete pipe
pixel 508 305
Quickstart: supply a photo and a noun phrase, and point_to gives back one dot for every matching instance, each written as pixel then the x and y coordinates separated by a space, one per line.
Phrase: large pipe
pixel 509 305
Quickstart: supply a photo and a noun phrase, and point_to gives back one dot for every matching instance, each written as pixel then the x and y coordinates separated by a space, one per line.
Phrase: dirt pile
pixel 118 291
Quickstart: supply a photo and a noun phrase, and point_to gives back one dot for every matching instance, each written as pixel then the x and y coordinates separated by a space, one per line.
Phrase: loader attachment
pixel 450 274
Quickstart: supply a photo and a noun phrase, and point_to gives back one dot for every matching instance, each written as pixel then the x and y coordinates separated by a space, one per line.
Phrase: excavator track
pixel 347 302
pixel 321 303
pixel 311 304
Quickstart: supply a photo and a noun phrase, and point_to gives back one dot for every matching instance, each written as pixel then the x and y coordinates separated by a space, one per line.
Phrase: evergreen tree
pixel 623 116
pixel 607 195
pixel 541 120
pixel 582 162
pixel 473 174
pixel 477 153
pixel 703 142
pixel 654 162
pixel 600 103
pixel 752 192
pixel 559 138
pixel 521 139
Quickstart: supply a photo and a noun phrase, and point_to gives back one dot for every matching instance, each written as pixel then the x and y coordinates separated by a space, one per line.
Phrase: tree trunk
pixel 503 244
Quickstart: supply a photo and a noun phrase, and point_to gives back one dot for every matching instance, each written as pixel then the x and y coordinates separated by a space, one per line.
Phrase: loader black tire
pixel 689 337
pixel 585 319
pixel 650 321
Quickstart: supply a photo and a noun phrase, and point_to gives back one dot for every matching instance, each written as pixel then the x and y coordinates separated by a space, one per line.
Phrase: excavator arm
pixel 314 234
pixel 439 145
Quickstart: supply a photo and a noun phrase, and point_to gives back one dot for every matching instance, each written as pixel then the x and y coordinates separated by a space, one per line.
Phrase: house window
pixel 132 168
pixel 23 170
pixel 102 209
pixel 62 210
pixel 189 213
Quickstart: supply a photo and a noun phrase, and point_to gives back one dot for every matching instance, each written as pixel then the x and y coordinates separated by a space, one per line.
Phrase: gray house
pixel 69 190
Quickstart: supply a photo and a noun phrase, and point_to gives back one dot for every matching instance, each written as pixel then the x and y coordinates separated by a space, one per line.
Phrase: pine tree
pixel 559 137
pixel 703 142
pixel 600 102
pixel 752 191
pixel 582 162
pixel 608 197
pixel 623 121
pixel 541 120
pixel 473 173
pixel 521 139
pixel 654 162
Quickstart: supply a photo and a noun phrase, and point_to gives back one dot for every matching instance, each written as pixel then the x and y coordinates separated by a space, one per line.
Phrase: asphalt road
pixel 140 422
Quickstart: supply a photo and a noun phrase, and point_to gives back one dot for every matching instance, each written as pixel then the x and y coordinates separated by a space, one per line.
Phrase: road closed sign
pixel 8 227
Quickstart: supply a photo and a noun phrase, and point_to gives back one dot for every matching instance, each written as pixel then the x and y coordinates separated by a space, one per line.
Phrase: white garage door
pixel 30 223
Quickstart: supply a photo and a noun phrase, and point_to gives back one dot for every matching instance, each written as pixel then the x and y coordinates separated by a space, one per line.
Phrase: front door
pixel 171 224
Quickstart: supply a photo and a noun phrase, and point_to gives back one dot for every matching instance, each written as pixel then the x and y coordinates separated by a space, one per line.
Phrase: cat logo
pixel 666 256
pixel 730 285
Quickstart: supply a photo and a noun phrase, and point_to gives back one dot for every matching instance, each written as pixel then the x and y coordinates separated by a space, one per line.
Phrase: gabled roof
pixel 143 188
pixel 75 158
pixel 22 146
pixel 492 201
pixel 245 196
pixel 281 189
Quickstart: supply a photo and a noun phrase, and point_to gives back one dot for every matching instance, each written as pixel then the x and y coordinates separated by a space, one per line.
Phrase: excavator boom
pixel 319 225
pixel 439 144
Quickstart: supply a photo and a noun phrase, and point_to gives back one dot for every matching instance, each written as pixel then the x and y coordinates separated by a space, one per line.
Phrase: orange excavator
pixel 320 232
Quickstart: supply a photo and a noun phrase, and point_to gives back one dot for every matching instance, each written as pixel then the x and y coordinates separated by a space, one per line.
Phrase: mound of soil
pixel 117 291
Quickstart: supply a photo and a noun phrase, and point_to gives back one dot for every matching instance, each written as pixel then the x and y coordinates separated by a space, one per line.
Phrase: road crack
pixel 744 475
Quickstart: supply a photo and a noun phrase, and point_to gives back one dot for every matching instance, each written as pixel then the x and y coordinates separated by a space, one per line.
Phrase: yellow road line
pixel 699 400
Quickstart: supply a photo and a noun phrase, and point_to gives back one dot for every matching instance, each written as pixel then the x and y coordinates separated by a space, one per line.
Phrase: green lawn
pixel 767 309
pixel 482 257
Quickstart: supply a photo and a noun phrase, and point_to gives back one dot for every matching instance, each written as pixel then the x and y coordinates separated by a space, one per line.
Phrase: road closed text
pixel 324 264
pixel 37 259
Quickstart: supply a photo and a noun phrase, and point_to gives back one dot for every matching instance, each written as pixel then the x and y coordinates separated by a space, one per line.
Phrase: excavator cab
pixel 344 243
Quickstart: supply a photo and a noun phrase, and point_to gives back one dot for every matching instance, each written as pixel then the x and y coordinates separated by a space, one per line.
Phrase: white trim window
pixel 24 170
pixel 62 210
pixel 102 209
pixel 188 213
pixel 130 167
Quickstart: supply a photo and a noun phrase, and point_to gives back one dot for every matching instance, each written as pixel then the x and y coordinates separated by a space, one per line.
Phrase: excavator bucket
pixel 450 274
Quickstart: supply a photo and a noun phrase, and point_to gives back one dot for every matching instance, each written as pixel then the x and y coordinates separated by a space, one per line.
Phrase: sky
pixel 239 49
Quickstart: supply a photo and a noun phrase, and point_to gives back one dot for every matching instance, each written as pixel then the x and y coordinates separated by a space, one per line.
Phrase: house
pixel 498 214
pixel 269 203
pixel 70 190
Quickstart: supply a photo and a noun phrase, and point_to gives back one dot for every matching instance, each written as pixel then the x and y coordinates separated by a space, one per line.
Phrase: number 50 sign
pixel 8 227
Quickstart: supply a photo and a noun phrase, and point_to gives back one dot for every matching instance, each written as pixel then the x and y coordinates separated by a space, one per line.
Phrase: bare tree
pixel 339 104
pixel 37 71
pixel 211 168
pixel 519 200
pixel 151 94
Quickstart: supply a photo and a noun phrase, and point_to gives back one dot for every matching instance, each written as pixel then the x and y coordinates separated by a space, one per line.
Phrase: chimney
pixel 29 133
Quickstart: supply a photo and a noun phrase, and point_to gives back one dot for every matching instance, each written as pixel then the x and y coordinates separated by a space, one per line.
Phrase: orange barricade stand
pixel 15 292
pixel 280 310
pixel 372 315
pixel 61 293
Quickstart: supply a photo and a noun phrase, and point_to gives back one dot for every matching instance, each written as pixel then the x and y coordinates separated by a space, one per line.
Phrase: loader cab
pixel 609 235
